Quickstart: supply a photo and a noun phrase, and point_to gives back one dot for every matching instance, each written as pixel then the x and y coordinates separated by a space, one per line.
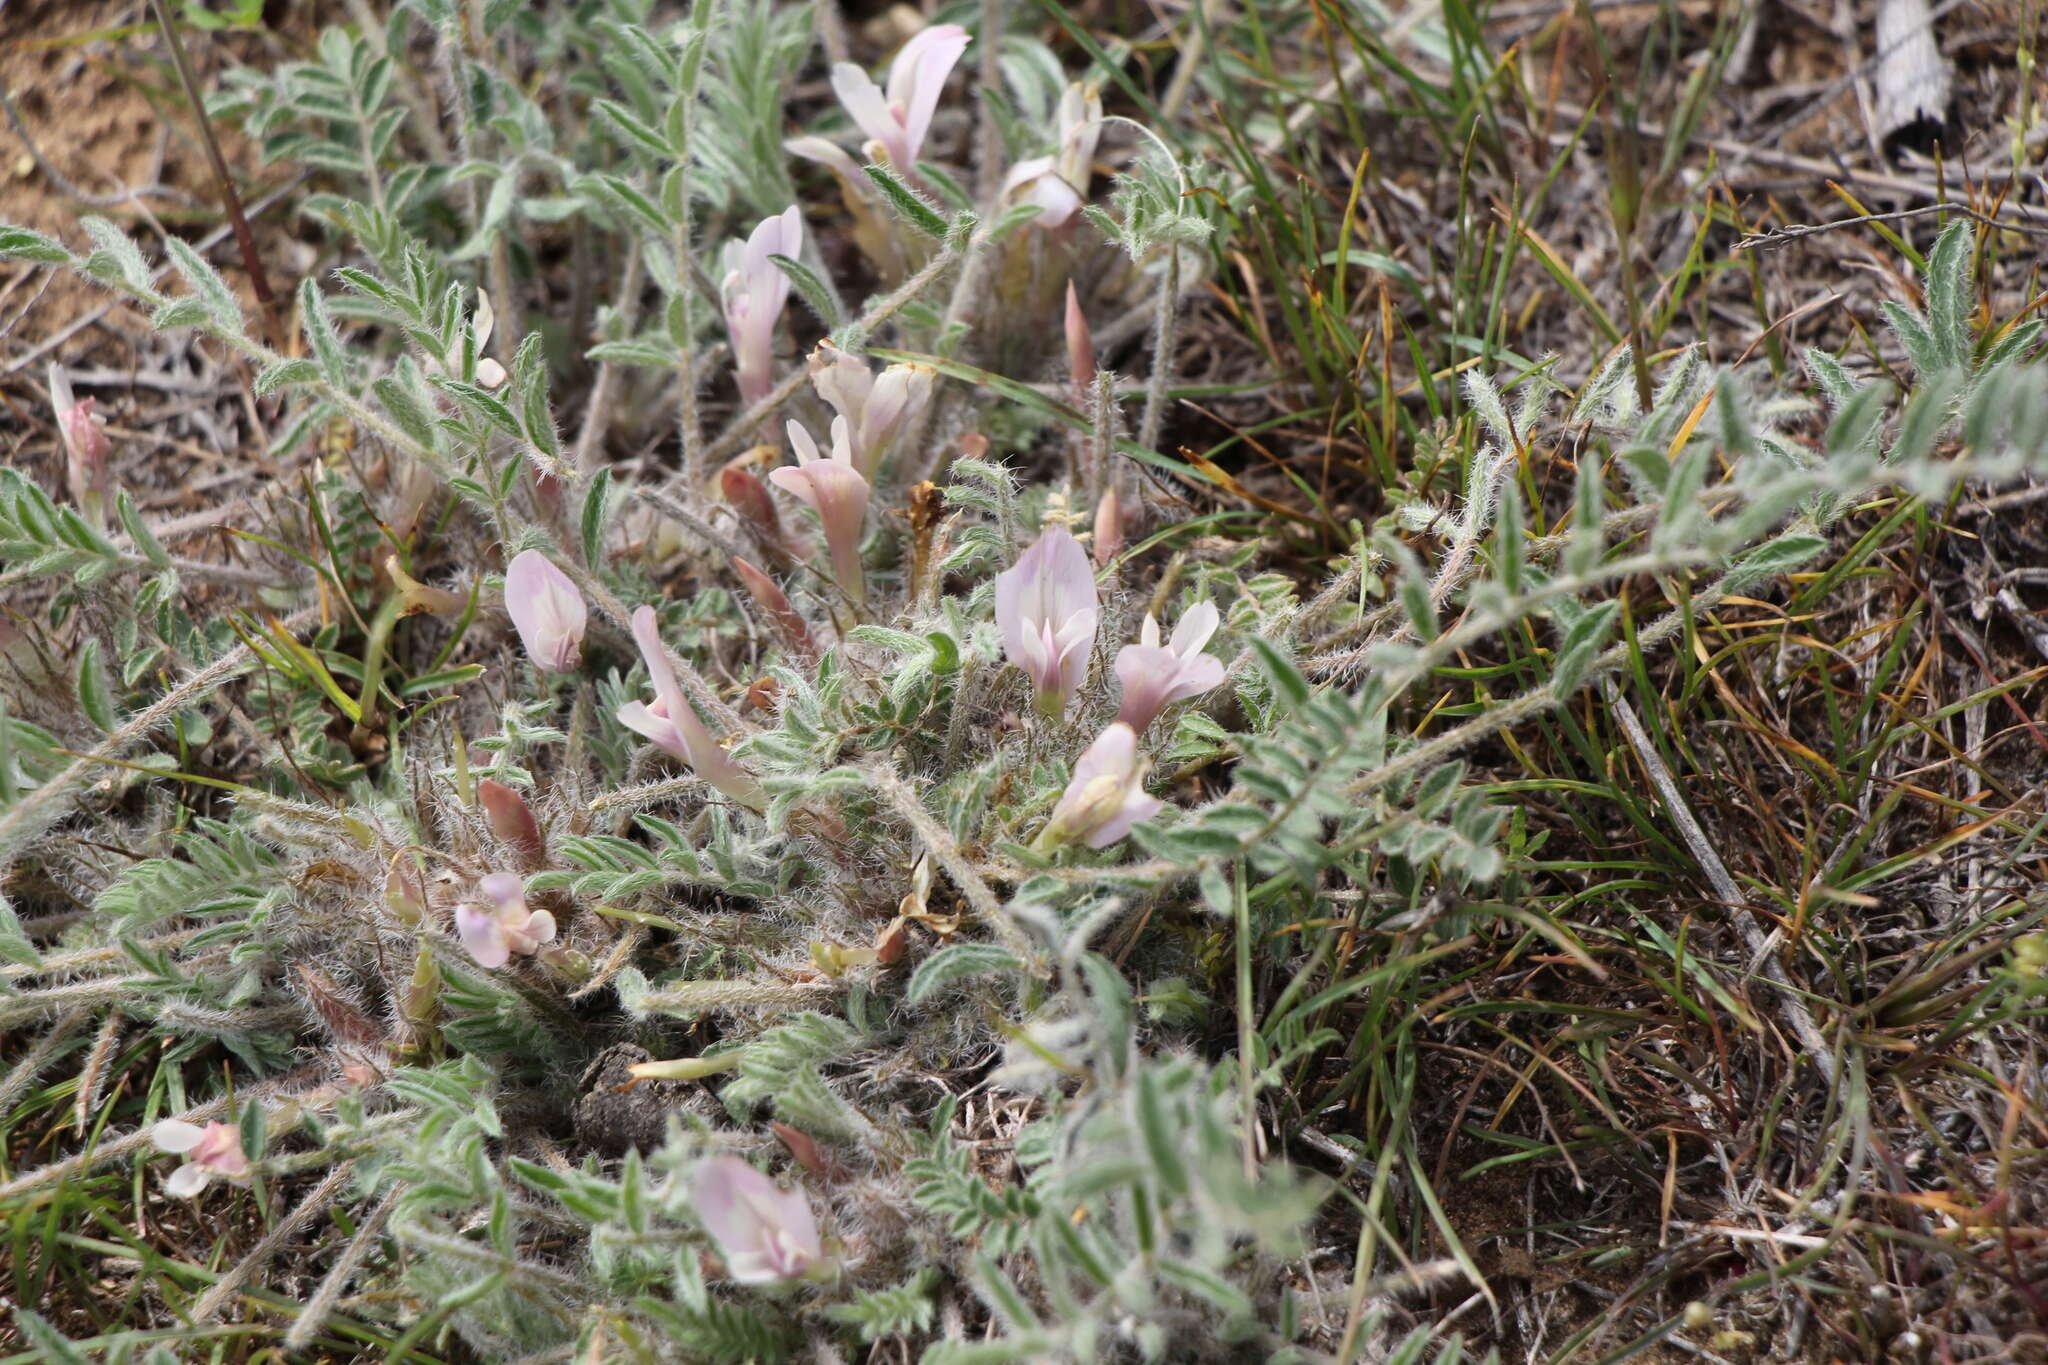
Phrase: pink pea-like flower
pixel 764 1232
pixel 877 408
pixel 896 122
pixel 670 723
pixel 1058 184
pixel 493 932
pixel 547 610
pixel 1106 795
pixel 1154 676
pixel 215 1150
pixel 1046 611
pixel 835 490
pixel 754 291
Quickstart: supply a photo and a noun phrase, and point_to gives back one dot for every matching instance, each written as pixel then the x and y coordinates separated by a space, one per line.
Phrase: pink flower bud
pixel 754 291
pixel 494 931
pixel 511 819
pixel 1155 676
pixel 1046 612
pixel 765 1233
pixel 85 449
pixel 768 594
pixel 215 1150
pixel 747 495
pixel 670 722
pixel 547 610
pixel 835 490
pixel 896 123
pixel 1080 347
pixel 1109 527
pixel 1106 795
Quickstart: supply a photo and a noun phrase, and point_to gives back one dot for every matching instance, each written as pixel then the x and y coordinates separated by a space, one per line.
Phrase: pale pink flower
pixel 877 408
pixel 547 610
pixel 835 490
pixel 1046 612
pixel 215 1150
pixel 1155 676
pixel 494 932
pixel 754 291
pixel 1106 795
pixel 1058 184
pixel 898 121
pixel 764 1232
pixel 672 724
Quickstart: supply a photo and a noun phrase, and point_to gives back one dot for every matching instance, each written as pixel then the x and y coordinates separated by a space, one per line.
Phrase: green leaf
pixel 402 403
pixel 319 328
pixel 275 376
pixel 17 243
pixel 1288 683
pixel 1581 644
pixel 1948 293
pixel 1775 557
pixel 956 963
pixel 95 691
pixel 185 312
pixel 596 516
pixel 914 208
pixel 536 418
pixel 812 289
pixel 146 543
pixel 206 284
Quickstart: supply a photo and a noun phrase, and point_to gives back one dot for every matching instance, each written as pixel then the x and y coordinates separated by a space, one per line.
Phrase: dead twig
pixel 1792 232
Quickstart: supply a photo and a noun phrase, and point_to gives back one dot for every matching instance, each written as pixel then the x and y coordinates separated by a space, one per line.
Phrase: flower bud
pixel 511 819
pixel 1109 527
pixel 774 602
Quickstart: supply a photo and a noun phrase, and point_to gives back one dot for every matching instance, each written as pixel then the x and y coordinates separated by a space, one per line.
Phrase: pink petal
pixel 929 59
pixel 863 100
pixel 482 935
pixel 655 729
pixel 1136 809
pixel 505 891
